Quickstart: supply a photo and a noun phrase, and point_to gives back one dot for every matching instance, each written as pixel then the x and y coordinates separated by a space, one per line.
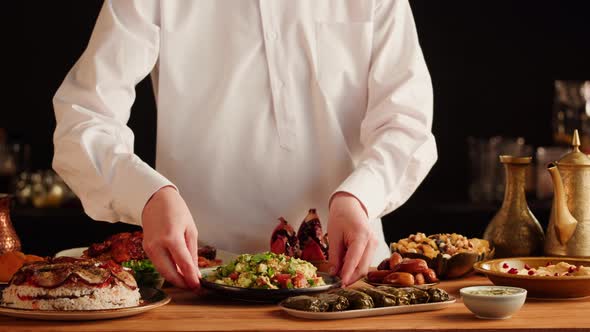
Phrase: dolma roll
pixel 306 303
pixel 416 295
pixel 380 298
pixel 438 295
pixel 402 297
pixel 335 302
pixel 356 299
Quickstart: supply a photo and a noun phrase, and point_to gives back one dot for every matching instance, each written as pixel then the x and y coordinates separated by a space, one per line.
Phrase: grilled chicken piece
pixel 120 247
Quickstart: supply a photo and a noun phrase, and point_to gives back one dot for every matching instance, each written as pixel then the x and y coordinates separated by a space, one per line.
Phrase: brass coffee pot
pixel 568 233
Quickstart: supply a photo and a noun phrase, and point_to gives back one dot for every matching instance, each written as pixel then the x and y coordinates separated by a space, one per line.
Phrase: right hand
pixel 170 238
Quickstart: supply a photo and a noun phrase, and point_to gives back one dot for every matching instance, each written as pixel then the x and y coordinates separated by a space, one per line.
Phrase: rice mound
pixel 70 297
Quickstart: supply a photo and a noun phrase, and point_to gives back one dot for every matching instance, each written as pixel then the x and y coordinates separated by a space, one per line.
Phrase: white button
pixel 272 35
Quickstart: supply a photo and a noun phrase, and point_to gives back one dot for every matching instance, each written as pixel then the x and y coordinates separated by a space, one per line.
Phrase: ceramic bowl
pixel 456 266
pixel 486 301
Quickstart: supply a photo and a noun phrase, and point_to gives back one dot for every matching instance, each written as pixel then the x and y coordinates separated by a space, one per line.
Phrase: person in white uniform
pixel 266 108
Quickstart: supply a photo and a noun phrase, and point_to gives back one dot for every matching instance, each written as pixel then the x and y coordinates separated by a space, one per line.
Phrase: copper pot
pixel 9 240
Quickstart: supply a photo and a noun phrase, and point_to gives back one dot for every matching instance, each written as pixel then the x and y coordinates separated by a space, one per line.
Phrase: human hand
pixel 352 243
pixel 170 238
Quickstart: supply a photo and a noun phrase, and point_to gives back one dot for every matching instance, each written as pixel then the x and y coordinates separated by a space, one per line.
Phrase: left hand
pixel 352 243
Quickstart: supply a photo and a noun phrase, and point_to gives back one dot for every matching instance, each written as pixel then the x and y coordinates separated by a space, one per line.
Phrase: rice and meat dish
pixel 66 283
pixel 365 298
pixel 267 270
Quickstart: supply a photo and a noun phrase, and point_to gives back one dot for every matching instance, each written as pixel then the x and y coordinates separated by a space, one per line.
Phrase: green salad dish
pixel 266 277
pixel 267 270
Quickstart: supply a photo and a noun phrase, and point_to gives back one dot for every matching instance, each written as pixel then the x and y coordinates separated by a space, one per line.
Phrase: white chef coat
pixel 265 109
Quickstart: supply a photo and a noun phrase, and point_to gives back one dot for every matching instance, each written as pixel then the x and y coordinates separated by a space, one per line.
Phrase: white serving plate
pixel 369 312
pixel 224 256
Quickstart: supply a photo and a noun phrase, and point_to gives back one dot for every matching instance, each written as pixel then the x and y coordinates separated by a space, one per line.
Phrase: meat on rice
pixel 71 284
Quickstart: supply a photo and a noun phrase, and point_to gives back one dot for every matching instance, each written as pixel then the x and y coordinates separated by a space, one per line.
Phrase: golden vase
pixel 514 230
pixel 9 241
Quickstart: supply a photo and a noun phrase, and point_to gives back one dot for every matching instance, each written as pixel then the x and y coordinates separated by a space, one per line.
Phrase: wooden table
pixel 191 312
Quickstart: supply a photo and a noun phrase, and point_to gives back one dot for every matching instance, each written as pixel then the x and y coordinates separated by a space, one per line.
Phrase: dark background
pixel 493 66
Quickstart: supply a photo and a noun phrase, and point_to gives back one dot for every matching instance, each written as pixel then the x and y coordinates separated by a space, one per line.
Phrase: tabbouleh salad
pixel 267 270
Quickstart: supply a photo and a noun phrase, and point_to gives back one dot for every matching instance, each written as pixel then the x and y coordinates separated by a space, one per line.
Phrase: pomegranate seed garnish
pixel 572 269
pixel 526 266
pixel 556 274
pixel 531 272
pixel 513 271
pixel 505 265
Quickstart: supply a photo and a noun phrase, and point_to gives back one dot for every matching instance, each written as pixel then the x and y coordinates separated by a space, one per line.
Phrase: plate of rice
pixel 76 289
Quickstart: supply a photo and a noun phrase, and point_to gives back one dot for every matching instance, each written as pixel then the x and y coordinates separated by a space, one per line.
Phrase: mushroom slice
pixel 50 277
pixel 93 275
pixel 126 277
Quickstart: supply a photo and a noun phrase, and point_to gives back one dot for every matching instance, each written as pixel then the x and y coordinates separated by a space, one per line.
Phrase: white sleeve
pixel 399 148
pixel 93 145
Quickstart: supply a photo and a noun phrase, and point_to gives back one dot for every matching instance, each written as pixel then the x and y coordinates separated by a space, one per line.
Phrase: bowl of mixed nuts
pixel 450 255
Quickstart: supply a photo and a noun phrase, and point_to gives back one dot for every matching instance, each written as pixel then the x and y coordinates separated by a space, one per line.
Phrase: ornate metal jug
pixel 568 233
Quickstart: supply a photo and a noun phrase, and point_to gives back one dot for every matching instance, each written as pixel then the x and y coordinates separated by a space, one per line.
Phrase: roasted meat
pixel 124 247
pixel 66 270
pixel 120 248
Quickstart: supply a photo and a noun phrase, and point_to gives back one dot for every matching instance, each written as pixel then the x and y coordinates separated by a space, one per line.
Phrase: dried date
pixel 399 279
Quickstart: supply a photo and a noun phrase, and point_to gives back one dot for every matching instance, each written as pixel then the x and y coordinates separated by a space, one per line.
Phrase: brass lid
pixel 515 160
pixel 576 157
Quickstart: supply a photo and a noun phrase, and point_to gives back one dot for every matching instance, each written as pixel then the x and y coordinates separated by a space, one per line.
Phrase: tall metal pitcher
pixel 568 233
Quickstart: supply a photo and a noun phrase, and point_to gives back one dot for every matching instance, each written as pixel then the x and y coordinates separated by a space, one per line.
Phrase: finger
pixel 166 267
pixel 353 256
pixel 183 260
pixel 363 266
pixel 336 255
pixel 191 238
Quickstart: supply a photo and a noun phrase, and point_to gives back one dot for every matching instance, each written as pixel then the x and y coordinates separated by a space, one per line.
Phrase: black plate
pixel 268 295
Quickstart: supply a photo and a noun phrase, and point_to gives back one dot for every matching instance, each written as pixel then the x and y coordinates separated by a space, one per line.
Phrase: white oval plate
pixel 224 256
pixel 369 312
pixel 73 252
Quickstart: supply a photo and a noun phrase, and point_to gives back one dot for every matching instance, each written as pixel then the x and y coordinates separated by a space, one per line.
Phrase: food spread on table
pixel 267 270
pixel 111 273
